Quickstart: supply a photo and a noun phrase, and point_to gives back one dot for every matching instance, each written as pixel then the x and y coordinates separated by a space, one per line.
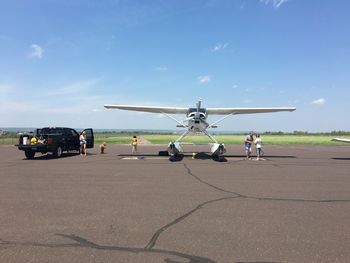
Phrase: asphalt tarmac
pixel 294 206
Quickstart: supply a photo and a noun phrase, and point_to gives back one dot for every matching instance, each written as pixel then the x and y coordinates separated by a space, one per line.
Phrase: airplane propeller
pixel 189 119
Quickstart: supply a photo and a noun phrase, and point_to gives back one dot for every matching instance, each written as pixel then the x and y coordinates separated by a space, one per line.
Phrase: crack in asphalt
pixel 156 235
pixel 80 242
pixel 189 171
pixel 238 195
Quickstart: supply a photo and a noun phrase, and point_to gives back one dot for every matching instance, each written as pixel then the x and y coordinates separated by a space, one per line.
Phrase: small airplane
pixel 196 122
pixel 341 140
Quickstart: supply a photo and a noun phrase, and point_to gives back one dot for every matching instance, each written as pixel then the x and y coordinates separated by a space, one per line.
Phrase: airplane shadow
pixel 202 156
pixel 256 262
pixel 341 159
pixel 265 156
pixel 140 155
pixel 206 156
pixel 179 157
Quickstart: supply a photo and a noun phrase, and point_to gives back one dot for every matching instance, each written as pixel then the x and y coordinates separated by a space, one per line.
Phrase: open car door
pixel 89 133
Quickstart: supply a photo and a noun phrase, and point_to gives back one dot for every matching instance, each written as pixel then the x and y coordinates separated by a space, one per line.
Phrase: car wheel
pixel 29 154
pixel 58 152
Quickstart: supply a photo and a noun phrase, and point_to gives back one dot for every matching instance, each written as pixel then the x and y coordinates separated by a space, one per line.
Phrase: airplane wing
pixel 169 110
pixel 234 111
pixel 340 140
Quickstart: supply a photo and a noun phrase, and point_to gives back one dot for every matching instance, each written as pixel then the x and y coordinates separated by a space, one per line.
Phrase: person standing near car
pixel 82 140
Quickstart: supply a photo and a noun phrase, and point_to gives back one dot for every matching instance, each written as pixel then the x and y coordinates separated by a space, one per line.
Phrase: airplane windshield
pixel 190 110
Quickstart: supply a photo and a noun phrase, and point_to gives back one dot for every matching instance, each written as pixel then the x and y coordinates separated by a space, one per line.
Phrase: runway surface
pixel 292 207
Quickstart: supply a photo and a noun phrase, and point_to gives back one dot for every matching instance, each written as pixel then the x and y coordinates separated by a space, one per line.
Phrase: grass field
pixel 238 139
pixel 113 138
pixel 226 139
pixel 8 141
pixel 122 138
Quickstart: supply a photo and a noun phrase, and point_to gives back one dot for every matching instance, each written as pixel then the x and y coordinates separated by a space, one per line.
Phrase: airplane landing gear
pixel 175 150
pixel 217 150
pixel 177 157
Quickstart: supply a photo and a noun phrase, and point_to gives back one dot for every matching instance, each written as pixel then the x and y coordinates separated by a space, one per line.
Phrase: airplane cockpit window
pixel 192 113
pixel 202 115
pixel 190 110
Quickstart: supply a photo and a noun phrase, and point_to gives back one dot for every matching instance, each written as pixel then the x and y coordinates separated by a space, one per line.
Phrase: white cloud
pixel 37 51
pixel 235 86
pixel 219 46
pixel 320 101
pixel 274 3
pixel 204 79
pixel 160 68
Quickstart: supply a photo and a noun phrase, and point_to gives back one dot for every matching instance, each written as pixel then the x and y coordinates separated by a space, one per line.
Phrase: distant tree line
pixel 331 133
pixel 136 132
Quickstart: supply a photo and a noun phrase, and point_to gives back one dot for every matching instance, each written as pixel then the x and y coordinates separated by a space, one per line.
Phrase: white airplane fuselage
pixel 197 120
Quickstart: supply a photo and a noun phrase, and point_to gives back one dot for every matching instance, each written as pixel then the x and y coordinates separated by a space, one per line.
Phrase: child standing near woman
pixel 258 146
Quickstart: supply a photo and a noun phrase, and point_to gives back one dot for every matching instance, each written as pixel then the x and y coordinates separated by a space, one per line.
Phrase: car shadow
pixel 50 156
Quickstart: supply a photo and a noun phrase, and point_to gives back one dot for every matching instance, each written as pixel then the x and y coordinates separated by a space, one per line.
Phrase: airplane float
pixel 196 122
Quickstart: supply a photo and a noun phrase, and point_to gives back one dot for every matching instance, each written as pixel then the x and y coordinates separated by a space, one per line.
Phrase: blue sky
pixel 61 60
